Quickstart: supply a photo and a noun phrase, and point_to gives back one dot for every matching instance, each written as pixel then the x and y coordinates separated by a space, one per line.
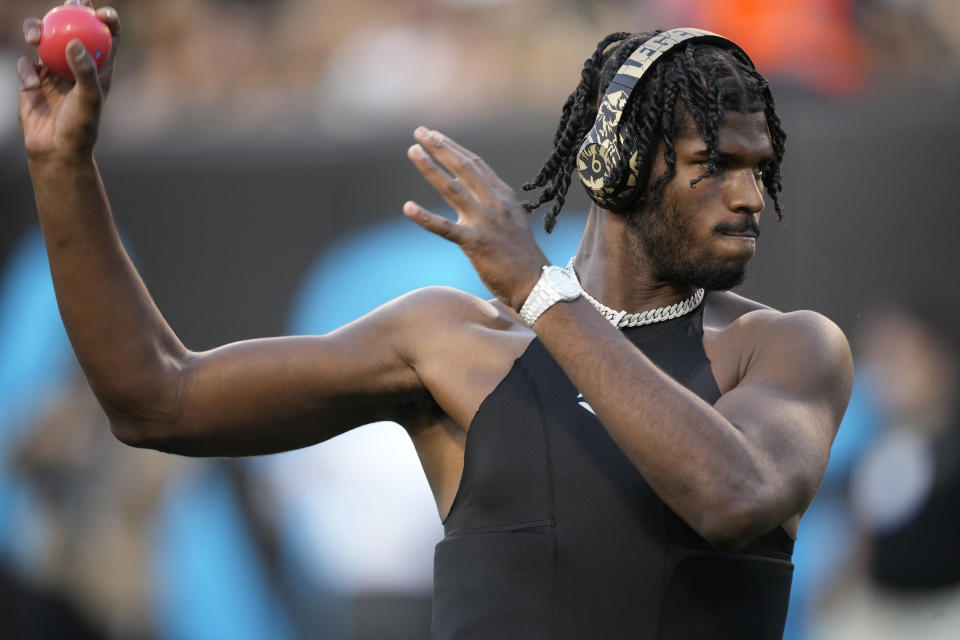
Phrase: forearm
pixel 129 354
pixel 696 460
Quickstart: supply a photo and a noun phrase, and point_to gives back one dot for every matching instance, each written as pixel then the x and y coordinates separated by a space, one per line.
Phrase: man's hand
pixel 491 226
pixel 59 117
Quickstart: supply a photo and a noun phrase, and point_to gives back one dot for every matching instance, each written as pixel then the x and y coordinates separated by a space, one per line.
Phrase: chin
pixel 722 281
pixel 707 274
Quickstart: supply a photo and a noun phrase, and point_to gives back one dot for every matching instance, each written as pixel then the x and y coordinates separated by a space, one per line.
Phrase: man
pixel 588 488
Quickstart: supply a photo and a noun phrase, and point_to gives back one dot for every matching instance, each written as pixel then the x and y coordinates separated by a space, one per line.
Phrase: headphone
pixel 601 150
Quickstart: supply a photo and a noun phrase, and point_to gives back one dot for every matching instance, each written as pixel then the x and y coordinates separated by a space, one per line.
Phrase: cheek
pixel 695 204
pixel 680 187
pixel 703 193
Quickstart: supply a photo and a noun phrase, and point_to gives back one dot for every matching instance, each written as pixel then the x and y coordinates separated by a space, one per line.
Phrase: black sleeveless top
pixel 554 533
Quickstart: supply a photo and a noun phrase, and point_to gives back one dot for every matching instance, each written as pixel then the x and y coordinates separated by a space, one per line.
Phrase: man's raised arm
pixel 250 397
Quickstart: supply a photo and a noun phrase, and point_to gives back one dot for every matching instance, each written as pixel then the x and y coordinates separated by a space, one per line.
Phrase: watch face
pixel 565 285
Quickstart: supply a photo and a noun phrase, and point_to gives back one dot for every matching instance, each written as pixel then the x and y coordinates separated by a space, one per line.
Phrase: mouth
pixel 747 229
pixel 740 234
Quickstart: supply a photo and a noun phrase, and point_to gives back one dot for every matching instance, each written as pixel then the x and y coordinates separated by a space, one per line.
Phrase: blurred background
pixel 254 153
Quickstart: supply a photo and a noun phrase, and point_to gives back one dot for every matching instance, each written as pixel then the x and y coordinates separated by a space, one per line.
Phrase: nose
pixel 745 191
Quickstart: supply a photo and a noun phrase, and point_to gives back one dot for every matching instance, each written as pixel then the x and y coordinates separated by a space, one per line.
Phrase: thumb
pixel 84 71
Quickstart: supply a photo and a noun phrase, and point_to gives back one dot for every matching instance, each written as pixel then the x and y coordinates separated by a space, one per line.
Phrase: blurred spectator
pixel 906 489
pixel 98 539
pixel 910 35
pixel 827 536
pixel 67 527
pixel 813 41
pixel 96 500
pixel 306 69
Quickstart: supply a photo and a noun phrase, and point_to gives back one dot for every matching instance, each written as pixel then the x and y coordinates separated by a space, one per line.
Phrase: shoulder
pixel 728 311
pixel 447 308
pixel 764 327
pixel 428 318
pixel 803 346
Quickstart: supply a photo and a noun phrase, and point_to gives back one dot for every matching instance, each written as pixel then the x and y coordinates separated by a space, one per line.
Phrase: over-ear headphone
pixel 602 149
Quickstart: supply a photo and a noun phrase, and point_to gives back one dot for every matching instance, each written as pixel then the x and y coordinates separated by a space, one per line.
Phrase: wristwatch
pixel 555 285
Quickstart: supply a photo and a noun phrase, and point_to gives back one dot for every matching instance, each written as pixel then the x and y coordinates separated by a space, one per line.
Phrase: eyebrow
pixel 727 157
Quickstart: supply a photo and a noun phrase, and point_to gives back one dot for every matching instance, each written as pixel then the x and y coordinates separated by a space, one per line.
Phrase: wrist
pixel 523 291
pixel 56 161
pixel 556 284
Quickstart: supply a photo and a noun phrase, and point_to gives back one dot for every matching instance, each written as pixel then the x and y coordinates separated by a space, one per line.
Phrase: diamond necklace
pixel 623 320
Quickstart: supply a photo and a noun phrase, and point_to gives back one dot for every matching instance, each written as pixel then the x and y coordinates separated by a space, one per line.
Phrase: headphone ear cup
pixel 638 177
pixel 595 167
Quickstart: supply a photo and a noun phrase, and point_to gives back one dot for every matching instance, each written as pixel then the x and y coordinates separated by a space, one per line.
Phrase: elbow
pixel 735 523
pixel 146 421
pixel 144 412
pixel 729 538
pixel 142 434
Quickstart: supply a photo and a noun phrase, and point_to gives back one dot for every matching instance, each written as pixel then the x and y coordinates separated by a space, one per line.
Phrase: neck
pixel 613 268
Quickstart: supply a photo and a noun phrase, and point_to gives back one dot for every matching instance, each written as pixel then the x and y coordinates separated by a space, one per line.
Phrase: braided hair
pixel 705 78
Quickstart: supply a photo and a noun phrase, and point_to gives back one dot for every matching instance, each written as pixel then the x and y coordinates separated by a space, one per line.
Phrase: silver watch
pixel 555 285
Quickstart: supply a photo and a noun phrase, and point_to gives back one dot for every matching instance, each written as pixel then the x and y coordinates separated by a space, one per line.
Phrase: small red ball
pixel 69 22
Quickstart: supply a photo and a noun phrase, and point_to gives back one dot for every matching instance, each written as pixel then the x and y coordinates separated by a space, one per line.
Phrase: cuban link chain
pixel 624 320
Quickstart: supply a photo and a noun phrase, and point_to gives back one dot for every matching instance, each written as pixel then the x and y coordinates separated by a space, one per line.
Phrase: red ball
pixel 69 22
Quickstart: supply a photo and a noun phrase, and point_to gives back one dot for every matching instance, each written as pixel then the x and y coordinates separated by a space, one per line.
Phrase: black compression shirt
pixel 554 534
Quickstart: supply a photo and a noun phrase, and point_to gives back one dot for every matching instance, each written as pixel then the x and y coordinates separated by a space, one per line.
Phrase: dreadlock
pixel 705 78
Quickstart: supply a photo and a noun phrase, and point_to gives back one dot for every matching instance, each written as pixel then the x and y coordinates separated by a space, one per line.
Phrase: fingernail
pixel 27 74
pixel 418 151
pixel 76 50
pixel 33 33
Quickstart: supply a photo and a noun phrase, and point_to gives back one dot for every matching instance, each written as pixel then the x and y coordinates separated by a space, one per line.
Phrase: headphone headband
pixel 601 150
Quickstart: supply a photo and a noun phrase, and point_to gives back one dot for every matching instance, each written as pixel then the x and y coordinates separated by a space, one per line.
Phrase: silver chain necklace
pixel 623 320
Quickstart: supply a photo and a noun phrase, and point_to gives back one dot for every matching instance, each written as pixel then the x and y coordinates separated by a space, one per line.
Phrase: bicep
pixel 791 400
pixel 275 394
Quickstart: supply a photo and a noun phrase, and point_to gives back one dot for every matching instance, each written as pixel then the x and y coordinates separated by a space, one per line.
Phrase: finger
pixel 84 71
pixel 111 18
pixel 450 188
pixel 462 163
pixel 27 72
pixel 31 31
pixel 432 222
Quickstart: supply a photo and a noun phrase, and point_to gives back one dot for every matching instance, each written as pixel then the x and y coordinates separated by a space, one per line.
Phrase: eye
pixel 719 167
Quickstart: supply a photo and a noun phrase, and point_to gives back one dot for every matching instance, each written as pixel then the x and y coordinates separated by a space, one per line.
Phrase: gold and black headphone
pixel 602 149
